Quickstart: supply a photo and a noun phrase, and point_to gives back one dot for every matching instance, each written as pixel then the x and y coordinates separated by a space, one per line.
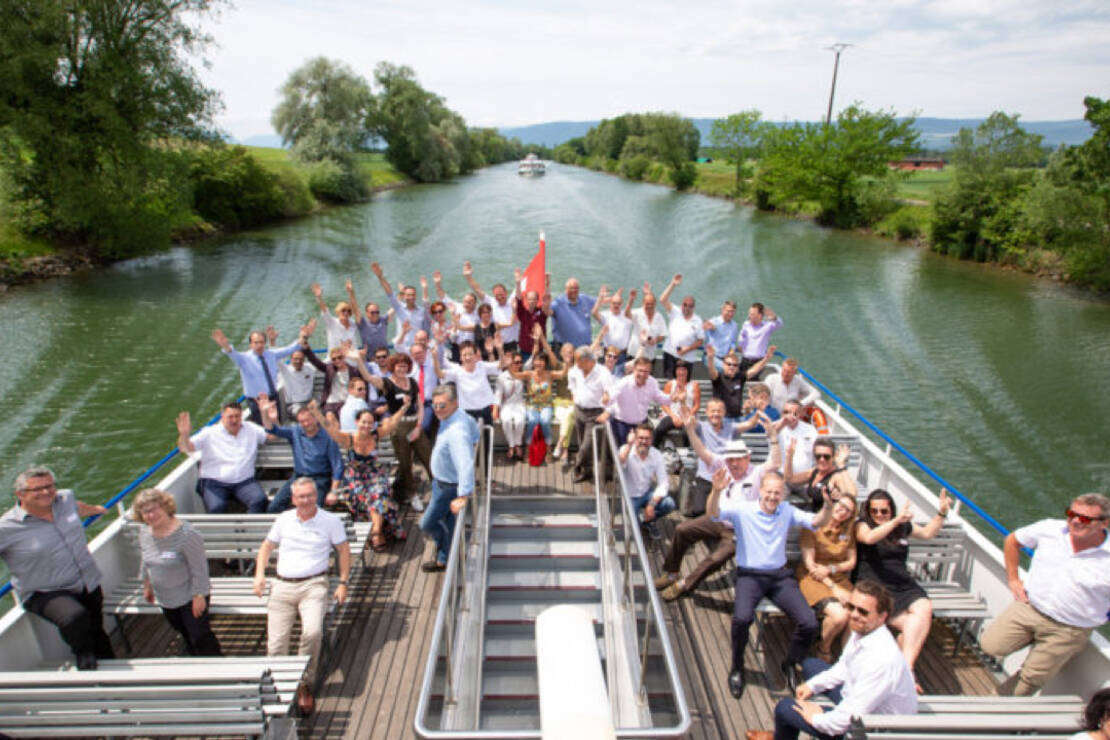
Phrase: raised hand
pixel 721 479
pixel 710 350
pixel 907 513
pixel 317 290
pixel 184 424
pixel 220 338
pixel 437 277
pixel 423 282
pixel 677 279
pixel 271 334
pixel 310 328
pixel 945 504
pixel 349 285
pixel 376 269
pixel 267 408
pixel 467 269
pixel 771 351
pixel 489 344
pixel 536 332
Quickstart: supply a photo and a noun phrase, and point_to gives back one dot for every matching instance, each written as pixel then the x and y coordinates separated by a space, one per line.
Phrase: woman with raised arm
pixel 562 401
pixel 685 399
pixel 884 537
pixel 825 573
pixel 340 328
pixel 539 391
pixel 400 391
pixel 365 481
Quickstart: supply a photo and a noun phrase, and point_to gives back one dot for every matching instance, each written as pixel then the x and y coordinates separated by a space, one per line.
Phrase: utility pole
pixel 836 48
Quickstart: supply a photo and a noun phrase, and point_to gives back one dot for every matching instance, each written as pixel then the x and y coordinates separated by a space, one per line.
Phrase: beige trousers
pixel 309 599
pixel 1053 645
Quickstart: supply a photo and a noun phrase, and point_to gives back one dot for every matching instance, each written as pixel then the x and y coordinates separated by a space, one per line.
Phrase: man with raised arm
pixel 871 677
pixel 452 472
pixel 43 544
pixel 787 385
pixel 341 327
pixel 298 380
pixel 614 320
pixel 649 327
pixel 227 454
pixel 721 333
pixel 756 333
pixel 685 335
pixel 531 310
pixel 571 312
pixel 315 456
pixel 306 534
pixel 630 398
pixel 406 309
pixel 728 383
pixel 761 528
pixel 645 474
pixel 1064 597
pixel 258 368
pixel 503 306
pixel 372 326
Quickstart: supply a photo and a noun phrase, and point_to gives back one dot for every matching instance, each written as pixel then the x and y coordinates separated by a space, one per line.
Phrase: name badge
pixel 167 555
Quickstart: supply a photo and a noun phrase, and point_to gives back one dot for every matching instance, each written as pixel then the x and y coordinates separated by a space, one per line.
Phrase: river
pixel 1000 382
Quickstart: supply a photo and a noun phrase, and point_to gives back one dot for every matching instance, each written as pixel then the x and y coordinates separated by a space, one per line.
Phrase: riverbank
pixel 28 259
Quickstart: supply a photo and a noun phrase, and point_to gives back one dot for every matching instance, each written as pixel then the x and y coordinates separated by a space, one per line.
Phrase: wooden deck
pixel 371 680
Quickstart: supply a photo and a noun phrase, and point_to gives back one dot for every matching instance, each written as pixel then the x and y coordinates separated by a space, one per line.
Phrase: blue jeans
pixel 543 418
pixel 788 722
pixel 438 522
pixel 665 506
pixel 216 495
pixel 621 429
pixel 284 498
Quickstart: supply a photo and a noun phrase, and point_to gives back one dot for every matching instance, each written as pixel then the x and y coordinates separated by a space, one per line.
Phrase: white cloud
pixel 502 63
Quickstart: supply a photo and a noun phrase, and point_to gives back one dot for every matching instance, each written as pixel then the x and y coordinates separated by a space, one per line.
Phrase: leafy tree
pixel 978 217
pixel 831 165
pixel 675 141
pixel 90 89
pixel 324 111
pixel 738 136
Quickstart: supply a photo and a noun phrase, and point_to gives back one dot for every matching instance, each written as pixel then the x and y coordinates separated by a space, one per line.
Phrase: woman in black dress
pixel 883 536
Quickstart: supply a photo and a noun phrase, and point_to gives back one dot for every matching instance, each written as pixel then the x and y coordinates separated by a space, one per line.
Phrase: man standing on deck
pixel 572 312
pixel 227 454
pixel 43 544
pixel 685 335
pixel 405 310
pixel 1064 597
pixel 788 385
pixel 721 332
pixel 531 310
pixel 755 335
pixel 452 472
pixel 306 535
pixel 629 401
pixel 728 383
pixel 258 368
pixel 588 382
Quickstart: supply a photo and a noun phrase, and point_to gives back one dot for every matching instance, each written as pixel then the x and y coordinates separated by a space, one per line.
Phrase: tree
pixel 832 165
pixel 92 91
pixel 324 111
pixel 738 136
pixel 675 141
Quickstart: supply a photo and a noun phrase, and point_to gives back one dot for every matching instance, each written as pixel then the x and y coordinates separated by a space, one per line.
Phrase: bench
pixel 223 701
pixel 980 717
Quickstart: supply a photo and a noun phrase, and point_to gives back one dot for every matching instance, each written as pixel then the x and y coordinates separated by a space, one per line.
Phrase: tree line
pixel 107 138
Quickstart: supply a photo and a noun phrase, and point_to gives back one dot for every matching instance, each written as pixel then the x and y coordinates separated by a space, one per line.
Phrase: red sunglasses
pixel 1082 518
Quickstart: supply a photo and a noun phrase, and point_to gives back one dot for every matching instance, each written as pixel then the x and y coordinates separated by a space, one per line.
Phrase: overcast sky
pixel 510 62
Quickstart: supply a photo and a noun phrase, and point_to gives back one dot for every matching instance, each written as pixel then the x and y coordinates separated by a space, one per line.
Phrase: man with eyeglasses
pixel 721 332
pixel 756 333
pixel 588 382
pixel 728 383
pixel 1065 594
pixel 406 309
pixel 43 544
pixel 685 335
pixel 503 306
pixel 871 677
pixel 372 326
pixel 452 472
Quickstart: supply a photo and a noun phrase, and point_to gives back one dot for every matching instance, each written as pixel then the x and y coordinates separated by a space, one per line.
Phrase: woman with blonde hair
pixel 825 573
pixel 175 570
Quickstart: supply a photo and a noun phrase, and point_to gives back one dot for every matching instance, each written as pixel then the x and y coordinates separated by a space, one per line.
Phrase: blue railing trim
pixel 908 455
pixel 7 587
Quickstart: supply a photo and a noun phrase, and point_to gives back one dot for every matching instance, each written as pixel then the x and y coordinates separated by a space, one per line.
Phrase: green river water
pixel 1001 383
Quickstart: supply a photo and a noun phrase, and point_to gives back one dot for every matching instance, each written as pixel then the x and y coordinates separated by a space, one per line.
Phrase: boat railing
pixel 619 534
pixel 117 500
pixel 461 605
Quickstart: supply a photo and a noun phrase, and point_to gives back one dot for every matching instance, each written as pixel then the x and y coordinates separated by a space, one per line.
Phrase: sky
pixel 514 62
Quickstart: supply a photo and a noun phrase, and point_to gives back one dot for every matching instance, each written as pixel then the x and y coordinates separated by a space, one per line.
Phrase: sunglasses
pixel 439 406
pixel 879 511
pixel 822 456
pixel 1082 518
pixel 374 311
pixel 437 312
pixel 858 609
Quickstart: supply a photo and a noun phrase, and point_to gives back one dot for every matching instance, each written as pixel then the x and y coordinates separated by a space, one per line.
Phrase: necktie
pixel 269 380
pixel 421 386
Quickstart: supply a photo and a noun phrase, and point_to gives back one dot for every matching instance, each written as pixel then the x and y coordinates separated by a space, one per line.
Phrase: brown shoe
pixel 305 702
pixel 673 591
pixel 663 581
pixel 433 566
pixel 759 735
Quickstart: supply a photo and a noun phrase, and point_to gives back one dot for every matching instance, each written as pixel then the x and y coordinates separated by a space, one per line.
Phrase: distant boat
pixel 531 165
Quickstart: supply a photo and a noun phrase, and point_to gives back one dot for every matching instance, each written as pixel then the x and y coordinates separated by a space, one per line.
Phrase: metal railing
pixel 454 600
pixel 610 502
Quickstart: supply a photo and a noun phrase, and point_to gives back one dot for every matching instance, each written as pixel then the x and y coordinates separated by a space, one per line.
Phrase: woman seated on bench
pixel 883 535
pixel 174 570
pixel 825 573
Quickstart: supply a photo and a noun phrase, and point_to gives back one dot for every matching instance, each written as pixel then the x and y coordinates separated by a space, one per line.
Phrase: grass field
pixel 373 166
pixel 925 184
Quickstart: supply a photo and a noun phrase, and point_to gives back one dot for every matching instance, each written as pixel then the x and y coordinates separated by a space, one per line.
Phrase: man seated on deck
pixel 761 528
pixel 298 381
pixel 645 474
pixel 685 335
pixel 227 454
pixel 788 385
pixel 628 402
pixel 257 368
pixel 728 383
pixel 760 414
pixel 306 535
pixel 1065 595
pixel 743 484
pixel 588 382
pixel 54 575
pixel 356 401
pixel 871 677
pixel 315 456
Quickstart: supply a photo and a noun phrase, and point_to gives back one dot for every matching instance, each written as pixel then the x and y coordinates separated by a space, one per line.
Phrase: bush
pixel 875 201
pixel 331 181
pixel 684 175
pixel 231 189
pixel 634 167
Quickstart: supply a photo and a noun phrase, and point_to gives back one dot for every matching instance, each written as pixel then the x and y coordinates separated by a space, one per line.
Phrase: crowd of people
pixel 448 365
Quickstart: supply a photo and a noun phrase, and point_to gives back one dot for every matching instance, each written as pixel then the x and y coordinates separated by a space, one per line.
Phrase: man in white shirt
pixel 504 309
pixel 588 382
pixel 1065 595
pixel 871 677
pixel 307 534
pixel 802 433
pixel 297 382
pixel 685 335
pixel 646 479
pixel 648 326
pixel 614 321
pixel 787 385
pixel 227 453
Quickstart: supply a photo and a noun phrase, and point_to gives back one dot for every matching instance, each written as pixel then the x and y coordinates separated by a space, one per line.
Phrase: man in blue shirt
pixel 721 332
pixel 761 528
pixel 258 368
pixel 452 471
pixel 572 317
pixel 315 456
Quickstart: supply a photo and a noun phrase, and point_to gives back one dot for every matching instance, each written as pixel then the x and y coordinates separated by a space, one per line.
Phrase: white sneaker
pixel 416 503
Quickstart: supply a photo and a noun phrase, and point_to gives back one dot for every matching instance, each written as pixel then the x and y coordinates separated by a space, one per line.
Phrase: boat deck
pixel 372 678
